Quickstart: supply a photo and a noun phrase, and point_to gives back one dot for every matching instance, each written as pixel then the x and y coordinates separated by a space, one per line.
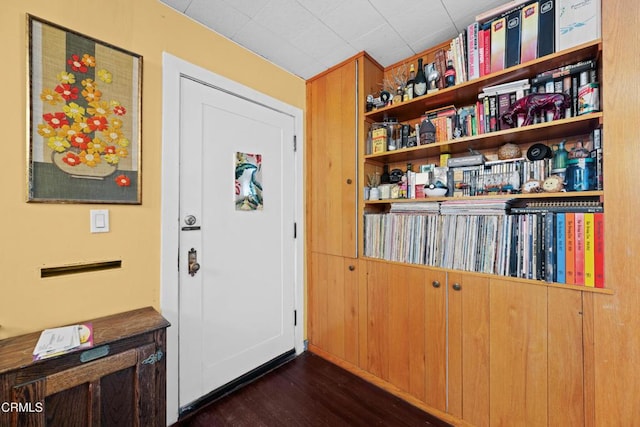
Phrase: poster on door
pixel 248 182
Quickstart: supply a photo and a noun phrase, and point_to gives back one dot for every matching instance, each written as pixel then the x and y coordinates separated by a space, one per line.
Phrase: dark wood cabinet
pixel 120 381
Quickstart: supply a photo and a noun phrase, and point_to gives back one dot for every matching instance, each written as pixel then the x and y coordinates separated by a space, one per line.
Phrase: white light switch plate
pixel 99 220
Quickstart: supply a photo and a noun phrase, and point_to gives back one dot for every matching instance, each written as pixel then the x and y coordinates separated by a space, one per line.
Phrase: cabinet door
pixel 331 161
pixel 119 390
pixel 468 347
pixel 518 354
pixel 566 358
pixel 333 305
pixel 406 332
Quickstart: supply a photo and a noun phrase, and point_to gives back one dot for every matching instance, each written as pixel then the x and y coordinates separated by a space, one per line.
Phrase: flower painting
pixel 84 118
pixel 248 182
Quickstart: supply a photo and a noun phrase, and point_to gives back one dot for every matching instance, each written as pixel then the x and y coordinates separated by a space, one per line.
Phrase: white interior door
pixel 236 311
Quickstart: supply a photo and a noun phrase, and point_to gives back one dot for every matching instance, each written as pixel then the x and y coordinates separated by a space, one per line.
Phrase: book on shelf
pixel 598 249
pixel 560 248
pixel 589 250
pixel 550 249
pixel 57 341
pixel 473 50
pixel 579 249
pixel 570 258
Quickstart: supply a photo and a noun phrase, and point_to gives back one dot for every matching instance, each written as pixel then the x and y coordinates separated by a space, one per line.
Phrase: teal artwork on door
pixel 248 182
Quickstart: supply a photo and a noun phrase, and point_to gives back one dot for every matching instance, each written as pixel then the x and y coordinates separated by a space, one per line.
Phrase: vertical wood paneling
pixel 518 354
pixel 416 283
pixel 351 309
pixel 468 348
pixel 589 357
pixel 399 325
pixel 565 343
pixel 617 318
pixel 363 317
pixel 435 341
pixel 334 305
pixel 378 320
pixel 28 394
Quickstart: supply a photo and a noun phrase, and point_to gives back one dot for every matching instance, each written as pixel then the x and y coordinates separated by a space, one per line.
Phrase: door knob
pixel 457 286
pixel 193 262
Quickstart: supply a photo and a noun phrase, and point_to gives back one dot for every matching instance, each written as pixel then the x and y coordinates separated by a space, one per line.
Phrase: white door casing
pixel 173 69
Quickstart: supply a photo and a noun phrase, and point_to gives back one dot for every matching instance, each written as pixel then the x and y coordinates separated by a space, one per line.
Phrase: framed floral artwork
pixel 84 118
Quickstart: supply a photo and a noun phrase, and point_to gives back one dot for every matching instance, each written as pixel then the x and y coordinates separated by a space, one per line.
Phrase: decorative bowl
pixel 435 192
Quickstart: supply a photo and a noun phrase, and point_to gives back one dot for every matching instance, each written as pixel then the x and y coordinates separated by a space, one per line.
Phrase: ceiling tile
pixel 341 19
pixel 217 15
pixel 248 7
pixel 318 41
pixel 320 8
pixel 286 18
pixel 383 44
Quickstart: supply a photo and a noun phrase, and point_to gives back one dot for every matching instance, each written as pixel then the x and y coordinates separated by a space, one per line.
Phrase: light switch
pixel 99 220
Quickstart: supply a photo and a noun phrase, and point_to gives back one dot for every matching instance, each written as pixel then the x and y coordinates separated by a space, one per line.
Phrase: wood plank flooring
pixel 309 391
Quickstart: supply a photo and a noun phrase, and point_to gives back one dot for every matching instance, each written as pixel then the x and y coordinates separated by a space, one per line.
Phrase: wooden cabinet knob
pixel 349 181
pixel 457 286
pixel 352 267
pixel 435 284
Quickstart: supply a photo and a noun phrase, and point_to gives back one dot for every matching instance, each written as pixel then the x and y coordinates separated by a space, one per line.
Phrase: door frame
pixel 173 69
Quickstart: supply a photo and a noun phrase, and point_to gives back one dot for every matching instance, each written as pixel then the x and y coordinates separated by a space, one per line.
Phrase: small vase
pixel 374 193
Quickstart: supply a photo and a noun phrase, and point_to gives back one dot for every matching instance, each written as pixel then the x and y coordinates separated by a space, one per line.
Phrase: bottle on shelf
pixel 449 74
pixel 384 178
pixel 560 157
pixel 408 89
pixel 420 82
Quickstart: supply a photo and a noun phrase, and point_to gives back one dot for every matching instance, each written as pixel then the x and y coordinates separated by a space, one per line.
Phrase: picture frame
pixel 84 122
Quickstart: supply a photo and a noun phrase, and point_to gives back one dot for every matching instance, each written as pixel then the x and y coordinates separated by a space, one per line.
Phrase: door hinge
pixel 295 317
pixel 153 358
pixel 295 143
pixel 295 230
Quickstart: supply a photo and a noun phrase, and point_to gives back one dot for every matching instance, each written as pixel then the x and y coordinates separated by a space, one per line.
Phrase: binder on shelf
pixel 529 32
pixel 498 44
pixel 512 38
pixel 546 27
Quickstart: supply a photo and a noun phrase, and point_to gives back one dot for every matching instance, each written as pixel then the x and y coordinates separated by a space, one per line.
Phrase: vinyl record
pixel 539 152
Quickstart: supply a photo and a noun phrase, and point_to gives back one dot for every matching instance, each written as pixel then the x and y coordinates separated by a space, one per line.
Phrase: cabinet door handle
pixel 349 180
pixel 435 284
pixel 457 286
pixel 352 267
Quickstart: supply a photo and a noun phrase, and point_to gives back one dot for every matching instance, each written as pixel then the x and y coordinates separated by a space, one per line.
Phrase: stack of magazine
pixel 56 341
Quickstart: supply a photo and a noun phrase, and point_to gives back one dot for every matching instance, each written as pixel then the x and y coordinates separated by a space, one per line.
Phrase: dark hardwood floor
pixel 309 391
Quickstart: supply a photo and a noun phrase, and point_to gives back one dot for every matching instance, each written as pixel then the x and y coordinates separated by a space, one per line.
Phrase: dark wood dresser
pixel 120 381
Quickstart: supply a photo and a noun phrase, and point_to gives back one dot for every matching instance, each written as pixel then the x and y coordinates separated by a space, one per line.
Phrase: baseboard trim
pixel 189 410
pixel 387 387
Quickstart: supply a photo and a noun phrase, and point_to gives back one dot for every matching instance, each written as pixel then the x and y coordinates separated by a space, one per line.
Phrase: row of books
pixel 520 31
pixel 560 247
pixel 578 81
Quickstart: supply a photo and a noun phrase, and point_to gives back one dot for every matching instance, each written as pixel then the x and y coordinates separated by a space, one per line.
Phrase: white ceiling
pixel 306 37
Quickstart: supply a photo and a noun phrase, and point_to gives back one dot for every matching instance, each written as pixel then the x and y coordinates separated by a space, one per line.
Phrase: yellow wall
pixel 36 235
